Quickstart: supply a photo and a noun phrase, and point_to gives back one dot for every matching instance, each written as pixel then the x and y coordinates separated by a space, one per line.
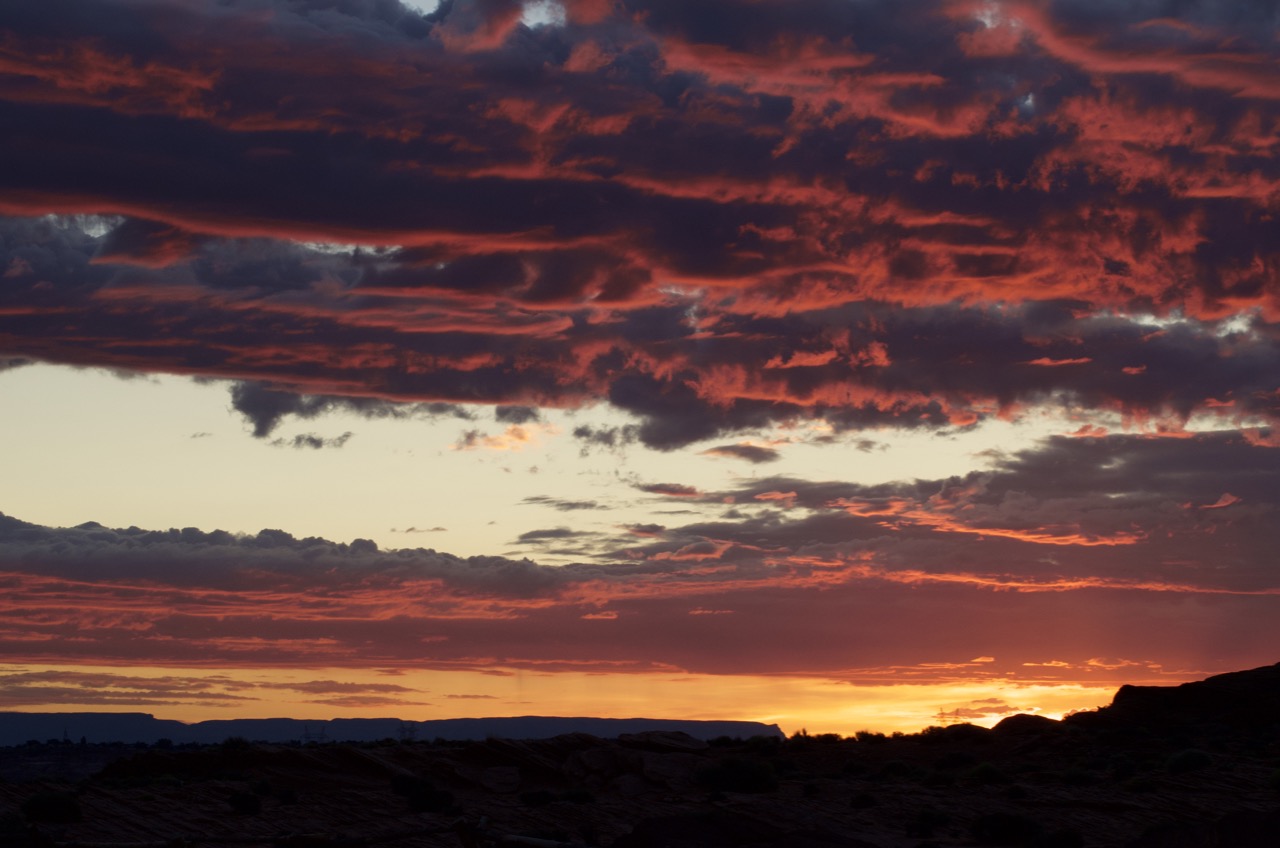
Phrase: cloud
pixel 755 454
pixel 716 219
pixel 889 568
pixel 675 490
pixel 551 533
pixel 564 505
pixel 514 438
pixel 265 408
pixel 611 438
pixel 657 217
pixel 516 414
pixel 43 688
pixel 312 441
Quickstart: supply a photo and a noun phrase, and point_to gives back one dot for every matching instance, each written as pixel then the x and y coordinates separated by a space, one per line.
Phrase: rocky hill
pixel 1178 767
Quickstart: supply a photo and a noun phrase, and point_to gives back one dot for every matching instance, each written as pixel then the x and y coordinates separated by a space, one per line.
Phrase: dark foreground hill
pixel 1175 767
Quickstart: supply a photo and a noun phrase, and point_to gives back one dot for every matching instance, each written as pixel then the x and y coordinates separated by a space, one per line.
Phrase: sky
pixel 834 363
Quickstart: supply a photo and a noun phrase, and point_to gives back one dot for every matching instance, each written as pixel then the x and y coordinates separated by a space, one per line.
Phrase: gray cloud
pixel 312 441
pixel 754 454
pixel 562 504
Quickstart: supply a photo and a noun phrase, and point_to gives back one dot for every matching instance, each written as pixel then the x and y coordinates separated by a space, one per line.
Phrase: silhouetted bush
pixel 986 774
pixel 863 800
pixel 16 833
pixel 52 808
pixel 870 736
pixel 1141 783
pixel 1188 760
pixel 926 821
pixel 894 770
pixel 955 760
pixel 739 774
pixel 938 779
pixel 1062 838
pixel 537 797
pixel 245 803
pixel 1077 777
pixel 1005 829
pixel 1122 767
pixel 422 795
pixel 767 745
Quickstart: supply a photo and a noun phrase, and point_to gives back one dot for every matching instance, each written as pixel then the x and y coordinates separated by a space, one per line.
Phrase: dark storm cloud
pixel 714 216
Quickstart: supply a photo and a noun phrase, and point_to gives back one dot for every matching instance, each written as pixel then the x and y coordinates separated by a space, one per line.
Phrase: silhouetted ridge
pixel 1239 698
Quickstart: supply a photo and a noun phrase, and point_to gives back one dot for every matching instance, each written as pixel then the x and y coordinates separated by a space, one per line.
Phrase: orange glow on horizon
pixel 816 705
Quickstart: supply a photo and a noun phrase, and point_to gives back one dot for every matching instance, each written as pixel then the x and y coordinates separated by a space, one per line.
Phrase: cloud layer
pixel 721 220
pixel 1050 561
pixel 712 217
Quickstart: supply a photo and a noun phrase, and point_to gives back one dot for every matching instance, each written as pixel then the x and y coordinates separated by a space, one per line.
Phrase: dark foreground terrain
pixel 1175 767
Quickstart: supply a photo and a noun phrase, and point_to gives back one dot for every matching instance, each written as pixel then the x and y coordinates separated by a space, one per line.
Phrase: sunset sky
pixel 822 362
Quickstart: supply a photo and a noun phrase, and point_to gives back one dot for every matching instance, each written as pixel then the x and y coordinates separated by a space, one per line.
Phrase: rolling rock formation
pixel 1161 767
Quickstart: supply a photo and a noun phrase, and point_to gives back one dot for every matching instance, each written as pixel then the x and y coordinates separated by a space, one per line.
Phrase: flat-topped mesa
pixel 1241 699
pixel 17 728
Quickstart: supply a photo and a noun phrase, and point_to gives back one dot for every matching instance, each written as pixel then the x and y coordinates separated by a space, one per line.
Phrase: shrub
pixel 1062 838
pixel 245 803
pixel 895 770
pixel 52 808
pixel 1005 829
pixel 863 800
pixel 537 797
pixel 422 795
pixel 1123 767
pixel 738 774
pixel 1188 760
pixel 926 821
pixel 767 745
pixel 986 774
pixel 938 779
pixel 955 759
pixel 1078 777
